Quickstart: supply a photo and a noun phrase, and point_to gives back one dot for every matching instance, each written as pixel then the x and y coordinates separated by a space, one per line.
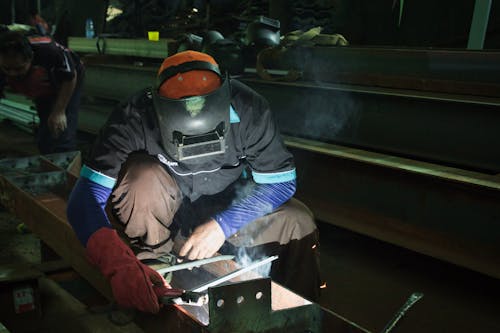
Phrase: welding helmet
pixel 263 32
pixel 191 102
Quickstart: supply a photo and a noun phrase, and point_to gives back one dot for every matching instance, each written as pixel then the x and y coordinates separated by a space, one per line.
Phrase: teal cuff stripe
pixel 233 116
pixel 97 177
pixel 275 177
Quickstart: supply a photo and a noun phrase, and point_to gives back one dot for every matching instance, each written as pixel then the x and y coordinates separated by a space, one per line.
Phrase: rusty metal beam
pixel 41 203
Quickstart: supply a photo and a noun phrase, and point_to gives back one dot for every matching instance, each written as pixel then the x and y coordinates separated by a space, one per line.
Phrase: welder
pixel 52 76
pixel 195 164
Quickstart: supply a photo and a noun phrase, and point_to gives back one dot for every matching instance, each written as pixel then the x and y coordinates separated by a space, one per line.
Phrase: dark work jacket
pixel 253 141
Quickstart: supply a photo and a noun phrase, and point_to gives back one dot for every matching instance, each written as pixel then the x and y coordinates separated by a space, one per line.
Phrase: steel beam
pixel 448 129
pixel 452 129
pixel 121 46
pixel 439 106
pixel 443 212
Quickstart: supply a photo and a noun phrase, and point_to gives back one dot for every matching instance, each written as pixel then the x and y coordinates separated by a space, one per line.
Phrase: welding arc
pixel 401 312
pixel 234 274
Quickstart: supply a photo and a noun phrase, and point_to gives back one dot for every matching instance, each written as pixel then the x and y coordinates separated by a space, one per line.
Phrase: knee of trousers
pixel 292 221
pixel 145 188
pixel 297 219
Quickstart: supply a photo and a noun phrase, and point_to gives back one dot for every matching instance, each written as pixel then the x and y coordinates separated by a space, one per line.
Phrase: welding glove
pixel 134 284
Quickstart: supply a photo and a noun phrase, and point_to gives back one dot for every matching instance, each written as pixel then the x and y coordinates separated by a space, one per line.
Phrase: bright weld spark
pixel 314 246
pixel 323 286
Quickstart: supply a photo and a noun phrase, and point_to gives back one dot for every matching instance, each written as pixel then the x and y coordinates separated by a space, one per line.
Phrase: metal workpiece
pixel 414 298
pixel 40 174
pixel 236 273
pixel 42 183
pixel 246 307
pixel 40 163
pixel 193 264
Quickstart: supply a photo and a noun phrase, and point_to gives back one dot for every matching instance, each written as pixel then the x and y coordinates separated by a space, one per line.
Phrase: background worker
pixel 52 77
pixel 173 160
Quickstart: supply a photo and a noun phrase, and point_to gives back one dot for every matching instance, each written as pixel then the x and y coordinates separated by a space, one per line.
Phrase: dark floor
pixel 367 280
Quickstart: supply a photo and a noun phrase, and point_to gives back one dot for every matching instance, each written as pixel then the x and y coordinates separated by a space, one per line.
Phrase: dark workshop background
pixel 396 135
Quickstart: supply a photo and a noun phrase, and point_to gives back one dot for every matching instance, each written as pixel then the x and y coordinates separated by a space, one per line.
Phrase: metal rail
pixel 234 274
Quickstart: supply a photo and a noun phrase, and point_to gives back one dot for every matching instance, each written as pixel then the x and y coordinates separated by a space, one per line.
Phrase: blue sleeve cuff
pixel 274 177
pixel 97 177
pixel 85 209
pixel 262 199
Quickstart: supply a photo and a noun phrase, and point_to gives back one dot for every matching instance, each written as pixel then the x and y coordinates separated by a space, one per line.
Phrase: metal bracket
pixel 246 307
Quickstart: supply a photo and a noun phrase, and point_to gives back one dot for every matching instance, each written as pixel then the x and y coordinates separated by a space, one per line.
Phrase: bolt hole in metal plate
pixel 220 303
pixel 253 313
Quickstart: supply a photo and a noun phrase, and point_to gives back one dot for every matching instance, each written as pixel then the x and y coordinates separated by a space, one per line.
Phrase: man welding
pixel 196 158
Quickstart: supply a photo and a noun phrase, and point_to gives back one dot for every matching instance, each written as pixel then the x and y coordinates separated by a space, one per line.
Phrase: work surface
pixel 367 280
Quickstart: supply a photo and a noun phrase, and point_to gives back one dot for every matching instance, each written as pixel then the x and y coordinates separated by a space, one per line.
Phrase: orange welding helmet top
pixel 191 82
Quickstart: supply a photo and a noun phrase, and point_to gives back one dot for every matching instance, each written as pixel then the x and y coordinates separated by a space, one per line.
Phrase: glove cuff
pixel 106 250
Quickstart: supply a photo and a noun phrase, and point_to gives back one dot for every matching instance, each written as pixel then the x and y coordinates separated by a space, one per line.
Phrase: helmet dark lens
pixel 196 126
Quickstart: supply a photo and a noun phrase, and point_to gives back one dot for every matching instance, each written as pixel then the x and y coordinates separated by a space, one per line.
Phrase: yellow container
pixel 154 36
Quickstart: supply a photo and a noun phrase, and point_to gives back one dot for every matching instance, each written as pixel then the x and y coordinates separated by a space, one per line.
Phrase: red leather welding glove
pixel 134 284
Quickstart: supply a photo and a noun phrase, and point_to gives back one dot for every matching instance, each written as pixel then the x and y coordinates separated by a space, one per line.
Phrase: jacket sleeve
pixel 262 199
pixel 85 210
pixel 121 135
pixel 263 146
pixel 273 168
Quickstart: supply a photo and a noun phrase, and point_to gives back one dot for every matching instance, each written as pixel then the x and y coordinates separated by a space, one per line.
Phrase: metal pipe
pixel 401 312
pixel 234 274
pixel 193 264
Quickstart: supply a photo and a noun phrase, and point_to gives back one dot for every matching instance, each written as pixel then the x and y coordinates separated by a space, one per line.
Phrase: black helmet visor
pixel 196 126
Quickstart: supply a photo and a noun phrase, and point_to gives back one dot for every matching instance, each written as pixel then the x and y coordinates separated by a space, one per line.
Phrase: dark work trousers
pixel 67 139
pixel 148 208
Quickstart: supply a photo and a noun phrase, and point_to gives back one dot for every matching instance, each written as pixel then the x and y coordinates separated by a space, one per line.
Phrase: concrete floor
pixel 367 280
